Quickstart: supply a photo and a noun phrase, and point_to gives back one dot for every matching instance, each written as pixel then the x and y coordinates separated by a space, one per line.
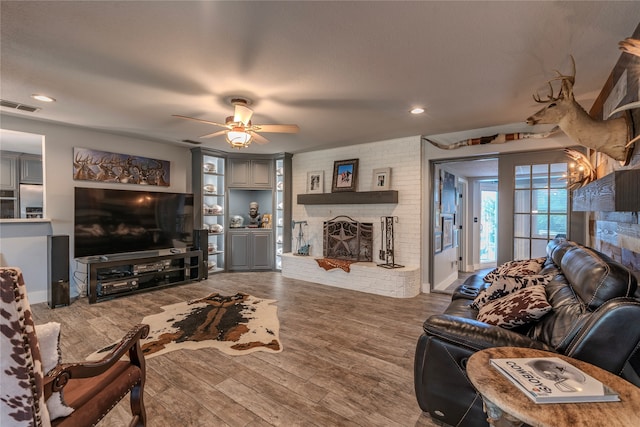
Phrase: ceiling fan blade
pixel 199 120
pixel 277 128
pixel 242 114
pixel 259 139
pixel 211 135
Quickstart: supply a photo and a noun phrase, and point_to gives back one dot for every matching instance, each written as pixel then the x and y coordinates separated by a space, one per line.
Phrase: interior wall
pixel 403 156
pixel 58 164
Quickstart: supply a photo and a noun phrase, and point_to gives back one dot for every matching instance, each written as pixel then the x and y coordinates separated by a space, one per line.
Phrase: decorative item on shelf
pixel 280 206
pixel 345 175
pixel 280 186
pixel 205 226
pixel 315 182
pixel 216 228
pixel 279 238
pixel 388 254
pixel 580 171
pixel 302 248
pixel 236 221
pixel 211 248
pixel 266 221
pixel 212 265
pixel 209 167
pixel 255 219
pixel 381 179
pixel 210 189
pixel 212 210
pixel 279 171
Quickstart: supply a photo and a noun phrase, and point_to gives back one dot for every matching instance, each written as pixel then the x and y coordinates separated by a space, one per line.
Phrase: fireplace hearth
pixel 345 238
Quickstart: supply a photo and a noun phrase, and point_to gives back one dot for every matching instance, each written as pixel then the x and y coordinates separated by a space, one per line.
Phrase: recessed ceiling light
pixel 43 98
pixel 417 110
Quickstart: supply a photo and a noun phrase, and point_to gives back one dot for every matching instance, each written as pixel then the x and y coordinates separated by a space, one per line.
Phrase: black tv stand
pixel 126 274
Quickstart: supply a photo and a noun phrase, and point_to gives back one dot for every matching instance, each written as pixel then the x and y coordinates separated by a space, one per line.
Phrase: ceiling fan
pixel 239 130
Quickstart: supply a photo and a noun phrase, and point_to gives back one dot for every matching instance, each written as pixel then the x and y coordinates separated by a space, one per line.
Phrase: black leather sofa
pixel 595 317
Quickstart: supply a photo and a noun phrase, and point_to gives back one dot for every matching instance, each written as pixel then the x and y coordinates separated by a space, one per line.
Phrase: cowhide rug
pixel 237 324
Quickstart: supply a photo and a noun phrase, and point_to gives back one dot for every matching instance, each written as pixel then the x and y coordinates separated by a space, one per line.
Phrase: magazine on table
pixel 552 380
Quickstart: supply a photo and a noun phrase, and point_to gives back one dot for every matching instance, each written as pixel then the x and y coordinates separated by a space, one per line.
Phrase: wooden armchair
pixel 38 393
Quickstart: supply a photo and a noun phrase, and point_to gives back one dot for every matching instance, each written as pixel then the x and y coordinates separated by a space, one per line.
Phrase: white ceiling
pixel 345 72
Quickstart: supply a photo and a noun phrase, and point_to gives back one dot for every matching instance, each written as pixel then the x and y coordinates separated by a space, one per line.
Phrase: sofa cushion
pixel 505 285
pixel 519 308
pixel 523 267
pixel 49 341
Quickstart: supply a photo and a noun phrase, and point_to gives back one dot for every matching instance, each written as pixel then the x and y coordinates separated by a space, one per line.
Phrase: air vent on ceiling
pixel 190 141
pixel 18 106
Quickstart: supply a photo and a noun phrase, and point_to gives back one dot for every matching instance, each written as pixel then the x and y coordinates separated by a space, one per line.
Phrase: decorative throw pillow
pixel 505 285
pixel 49 342
pixel 519 308
pixel 524 267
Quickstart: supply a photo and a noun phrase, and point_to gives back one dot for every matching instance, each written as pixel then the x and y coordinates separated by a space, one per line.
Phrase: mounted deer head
pixel 609 137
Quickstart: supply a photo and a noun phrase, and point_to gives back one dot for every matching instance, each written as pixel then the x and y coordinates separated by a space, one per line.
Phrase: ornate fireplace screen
pixel 344 238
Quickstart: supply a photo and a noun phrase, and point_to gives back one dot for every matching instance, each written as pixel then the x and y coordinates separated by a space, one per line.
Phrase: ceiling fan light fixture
pixel 238 138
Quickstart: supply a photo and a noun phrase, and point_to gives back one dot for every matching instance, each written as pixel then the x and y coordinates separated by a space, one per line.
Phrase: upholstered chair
pixel 38 390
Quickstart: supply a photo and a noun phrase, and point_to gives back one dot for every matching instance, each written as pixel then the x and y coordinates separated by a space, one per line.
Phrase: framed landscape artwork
pixel 345 175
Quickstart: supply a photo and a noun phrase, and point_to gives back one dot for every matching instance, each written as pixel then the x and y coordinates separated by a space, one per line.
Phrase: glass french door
pixel 536 206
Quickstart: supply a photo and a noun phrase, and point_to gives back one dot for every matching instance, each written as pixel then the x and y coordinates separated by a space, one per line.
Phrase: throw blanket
pixel 330 263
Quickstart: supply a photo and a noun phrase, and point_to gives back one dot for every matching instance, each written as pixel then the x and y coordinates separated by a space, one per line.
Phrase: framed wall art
pixel 381 179
pixel 437 242
pixel 103 166
pixel 448 198
pixel 447 231
pixel 315 182
pixel 345 175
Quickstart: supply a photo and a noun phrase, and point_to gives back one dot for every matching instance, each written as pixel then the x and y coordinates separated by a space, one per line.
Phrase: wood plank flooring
pixel 347 359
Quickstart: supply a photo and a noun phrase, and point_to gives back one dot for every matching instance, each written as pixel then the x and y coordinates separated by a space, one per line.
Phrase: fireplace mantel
pixel 361 197
pixel 616 192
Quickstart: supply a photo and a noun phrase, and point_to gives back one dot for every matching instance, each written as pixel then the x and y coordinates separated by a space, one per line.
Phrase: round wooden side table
pixel 506 405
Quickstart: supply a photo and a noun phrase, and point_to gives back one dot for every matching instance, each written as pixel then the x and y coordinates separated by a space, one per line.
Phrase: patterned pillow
pixel 505 285
pixel 519 308
pixel 49 342
pixel 524 267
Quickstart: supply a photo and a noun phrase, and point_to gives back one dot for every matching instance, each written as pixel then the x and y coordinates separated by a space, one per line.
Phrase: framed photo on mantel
pixel 345 175
pixel 381 179
pixel 315 182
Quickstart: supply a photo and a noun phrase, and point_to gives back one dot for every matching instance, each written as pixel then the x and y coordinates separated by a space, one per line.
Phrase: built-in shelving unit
pixel 616 192
pixel 362 197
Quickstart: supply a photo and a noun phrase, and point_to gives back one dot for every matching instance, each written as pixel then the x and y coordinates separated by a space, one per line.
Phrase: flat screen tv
pixel 110 221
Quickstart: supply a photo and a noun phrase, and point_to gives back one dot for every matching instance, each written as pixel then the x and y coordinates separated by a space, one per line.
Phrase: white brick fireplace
pixel 403 156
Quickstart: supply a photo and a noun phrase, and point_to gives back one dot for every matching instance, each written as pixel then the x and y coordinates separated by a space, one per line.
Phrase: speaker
pixel 58 273
pixel 201 242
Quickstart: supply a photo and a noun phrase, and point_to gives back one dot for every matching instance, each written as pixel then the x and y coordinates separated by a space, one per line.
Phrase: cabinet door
pixel 262 251
pixel 30 169
pixel 8 173
pixel 261 173
pixel 239 258
pixel 239 174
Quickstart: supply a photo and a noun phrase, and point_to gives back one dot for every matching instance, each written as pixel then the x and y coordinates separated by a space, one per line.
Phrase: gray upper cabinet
pixel 8 175
pixel 30 169
pixel 250 173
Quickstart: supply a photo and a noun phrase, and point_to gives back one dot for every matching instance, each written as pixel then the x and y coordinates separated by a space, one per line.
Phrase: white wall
pixel 59 184
pixel 403 156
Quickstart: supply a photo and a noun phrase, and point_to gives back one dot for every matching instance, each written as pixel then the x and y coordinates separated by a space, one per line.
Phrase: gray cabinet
pixel 8 175
pixel 250 250
pixel 250 173
pixel 30 169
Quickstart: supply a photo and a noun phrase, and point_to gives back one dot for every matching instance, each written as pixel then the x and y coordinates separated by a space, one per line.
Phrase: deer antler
pixel 571 79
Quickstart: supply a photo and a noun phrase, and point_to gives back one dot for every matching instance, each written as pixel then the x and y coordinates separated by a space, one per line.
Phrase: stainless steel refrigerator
pixel 31 201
